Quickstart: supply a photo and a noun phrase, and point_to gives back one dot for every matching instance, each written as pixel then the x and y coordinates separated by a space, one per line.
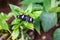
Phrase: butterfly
pixel 26 18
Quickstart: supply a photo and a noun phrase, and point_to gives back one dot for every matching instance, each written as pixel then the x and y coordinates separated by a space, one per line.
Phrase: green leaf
pixel 55 9
pixel 1 27
pixel 37 7
pixel 58 2
pixel 28 25
pixel 56 35
pixel 15 21
pixel 9 15
pixel 16 10
pixel 47 4
pixel 58 14
pixel 35 14
pixel 53 3
pixel 27 2
pixel 22 33
pixel 15 34
pixel 3 17
pixel 29 9
pixel 48 20
pixel 4 25
pixel 15 26
pixel 37 25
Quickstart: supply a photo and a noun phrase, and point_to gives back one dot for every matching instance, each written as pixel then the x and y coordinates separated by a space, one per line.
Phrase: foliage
pixel 46 13
pixel 56 35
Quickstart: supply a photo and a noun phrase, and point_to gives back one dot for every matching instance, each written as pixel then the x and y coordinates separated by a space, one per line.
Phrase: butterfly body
pixel 26 18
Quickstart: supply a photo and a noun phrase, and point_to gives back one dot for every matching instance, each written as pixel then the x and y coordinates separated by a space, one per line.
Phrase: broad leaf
pixel 56 35
pixel 48 20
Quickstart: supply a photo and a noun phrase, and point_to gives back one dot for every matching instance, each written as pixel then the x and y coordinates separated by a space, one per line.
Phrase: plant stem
pixel 22 35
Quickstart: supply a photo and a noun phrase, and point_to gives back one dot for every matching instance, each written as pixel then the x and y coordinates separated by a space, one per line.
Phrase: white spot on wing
pixel 30 19
pixel 22 16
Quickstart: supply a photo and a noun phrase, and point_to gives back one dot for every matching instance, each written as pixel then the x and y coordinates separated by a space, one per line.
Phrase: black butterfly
pixel 26 18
